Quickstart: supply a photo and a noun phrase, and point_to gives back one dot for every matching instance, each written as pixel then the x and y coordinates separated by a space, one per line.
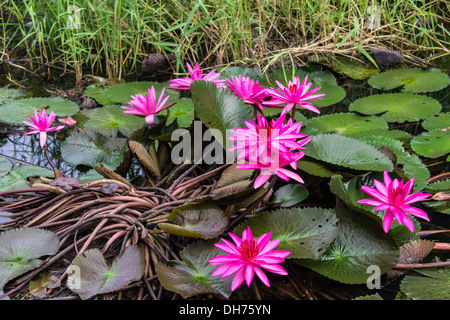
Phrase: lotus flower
pixel 296 93
pixel 147 106
pixel 196 74
pixel 248 90
pixel 41 124
pixel 247 257
pixel 269 146
pixel 393 197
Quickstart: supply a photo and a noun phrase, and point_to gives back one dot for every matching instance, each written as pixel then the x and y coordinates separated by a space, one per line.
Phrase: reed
pixel 111 38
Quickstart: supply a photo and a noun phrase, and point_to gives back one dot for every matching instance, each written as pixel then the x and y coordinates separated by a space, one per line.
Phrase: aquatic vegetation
pixel 152 204
pixel 196 73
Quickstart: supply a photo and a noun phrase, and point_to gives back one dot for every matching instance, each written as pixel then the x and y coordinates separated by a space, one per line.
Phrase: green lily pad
pixel 228 72
pixel 347 152
pixel 7 94
pixel 91 149
pixel 109 120
pixel 289 195
pixel 305 232
pixel 395 134
pixel 346 123
pixel 397 107
pixel 414 80
pixel 203 221
pixel 353 68
pixel 90 275
pixel 432 144
pixel 121 93
pixel 192 275
pixel 17 178
pixel 361 243
pixel 5 166
pixel 433 284
pixel 438 186
pixel 16 111
pixel 21 248
pixel 437 121
pixel 182 112
pixel 99 94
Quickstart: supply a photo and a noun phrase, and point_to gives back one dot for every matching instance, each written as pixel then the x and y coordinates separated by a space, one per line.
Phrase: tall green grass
pixel 111 37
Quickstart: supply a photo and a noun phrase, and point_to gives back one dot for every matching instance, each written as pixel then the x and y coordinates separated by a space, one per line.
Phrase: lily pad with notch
pixel 92 274
pixel 347 152
pixel 16 111
pixel 347 123
pixel 21 250
pixel 397 107
pixel 413 80
pixel 432 144
pixel 306 232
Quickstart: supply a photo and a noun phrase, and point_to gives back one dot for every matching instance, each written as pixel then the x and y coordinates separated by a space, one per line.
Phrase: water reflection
pixel 25 149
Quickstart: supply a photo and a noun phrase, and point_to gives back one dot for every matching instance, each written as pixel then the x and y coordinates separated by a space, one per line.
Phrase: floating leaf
pixel 231 175
pixel 17 177
pixel 40 286
pixel 306 232
pixel 360 243
pixel 437 121
pixel 347 152
pixel 5 166
pixel 433 284
pixel 91 149
pixel 21 248
pixel 121 93
pixel 226 73
pixel 346 123
pixel 18 110
pixel 219 109
pixel 400 135
pixel 182 112
pixel 414 80
pixel 432 144
pixel 109 120
pixel 99 94
pixel 353 68
pixel 90 275
pixel 289 195
pixel 192 275
pixel 315 168
pixel 7 94
pixel 397 107
pixel 439 186
pixel 203 221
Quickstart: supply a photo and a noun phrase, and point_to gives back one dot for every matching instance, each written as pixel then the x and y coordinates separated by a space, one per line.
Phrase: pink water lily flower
pixel 259 140
pixel 393 196
pixel 248 90
pixel 275 166
pixel 247 257
pixel 295 93
pixel 41 123
pixel 269 147
pixel 196 74
pixel 147 106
